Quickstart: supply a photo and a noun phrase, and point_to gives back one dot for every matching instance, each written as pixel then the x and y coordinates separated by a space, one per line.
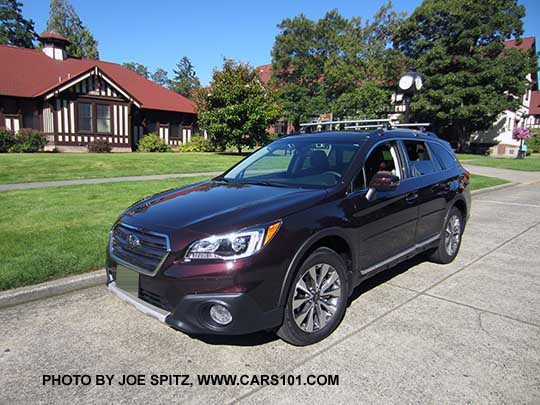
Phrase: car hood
pixel 213 207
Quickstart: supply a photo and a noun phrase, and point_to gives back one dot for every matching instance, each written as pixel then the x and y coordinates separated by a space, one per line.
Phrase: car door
pixel 432 188
pixel 384 226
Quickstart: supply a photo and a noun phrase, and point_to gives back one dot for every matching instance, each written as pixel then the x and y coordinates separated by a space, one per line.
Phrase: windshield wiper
pixel 264 183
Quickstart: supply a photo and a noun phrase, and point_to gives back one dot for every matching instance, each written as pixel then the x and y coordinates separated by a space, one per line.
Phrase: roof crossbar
pixel 366 121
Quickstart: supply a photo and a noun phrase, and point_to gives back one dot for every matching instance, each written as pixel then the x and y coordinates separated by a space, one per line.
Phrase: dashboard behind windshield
pixel 296 163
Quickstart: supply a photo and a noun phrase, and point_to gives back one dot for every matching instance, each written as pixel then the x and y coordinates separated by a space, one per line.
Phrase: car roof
pixel 360 136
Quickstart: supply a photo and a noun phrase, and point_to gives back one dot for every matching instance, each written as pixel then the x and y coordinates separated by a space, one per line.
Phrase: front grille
pixel 153 298
pixel 141 249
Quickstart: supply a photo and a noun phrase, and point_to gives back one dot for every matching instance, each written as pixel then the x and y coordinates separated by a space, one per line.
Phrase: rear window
pixel 447 159
pixel 419 158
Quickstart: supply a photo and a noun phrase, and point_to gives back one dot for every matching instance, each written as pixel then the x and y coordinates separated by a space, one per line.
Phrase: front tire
pixel 450 240
pixel 317 299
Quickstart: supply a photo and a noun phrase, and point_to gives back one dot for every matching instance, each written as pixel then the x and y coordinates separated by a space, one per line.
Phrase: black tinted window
pixel 448 160
pixel 419 159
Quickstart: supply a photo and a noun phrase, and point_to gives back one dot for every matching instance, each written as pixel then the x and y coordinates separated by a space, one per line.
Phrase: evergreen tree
pixel 185 79
pixel 335 64
pixel 469 76
pixel 14 28
pixel 160 76
pixel 64 20
pixel 137 68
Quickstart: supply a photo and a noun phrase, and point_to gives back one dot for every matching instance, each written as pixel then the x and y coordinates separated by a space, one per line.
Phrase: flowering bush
pixel 521 133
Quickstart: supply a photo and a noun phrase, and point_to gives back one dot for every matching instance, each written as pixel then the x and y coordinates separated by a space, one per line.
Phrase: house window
pixel 84 117
pixel 103 118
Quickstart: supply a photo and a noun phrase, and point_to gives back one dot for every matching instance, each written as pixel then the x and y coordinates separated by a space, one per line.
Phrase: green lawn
pixel 478 182
pixel 530 163
pixel 54 232
pixel 18 168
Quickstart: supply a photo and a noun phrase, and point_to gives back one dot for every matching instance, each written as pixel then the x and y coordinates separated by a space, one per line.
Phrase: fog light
pixel 220 314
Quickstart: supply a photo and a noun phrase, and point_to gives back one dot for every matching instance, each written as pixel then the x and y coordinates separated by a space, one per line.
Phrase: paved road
pixel 516 176
pixel 468 332
pixel 56 183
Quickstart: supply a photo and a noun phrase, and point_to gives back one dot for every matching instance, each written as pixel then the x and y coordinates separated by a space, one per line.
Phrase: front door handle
pixel 412 197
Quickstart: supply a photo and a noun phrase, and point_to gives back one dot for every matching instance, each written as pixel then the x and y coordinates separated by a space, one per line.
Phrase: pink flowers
pixel 521 133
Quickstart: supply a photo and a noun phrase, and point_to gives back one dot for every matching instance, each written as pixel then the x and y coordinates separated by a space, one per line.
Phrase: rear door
pixel 426 173
pixel 385 226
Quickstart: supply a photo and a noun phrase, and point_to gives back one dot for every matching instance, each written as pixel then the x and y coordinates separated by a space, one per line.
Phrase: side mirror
pixel 381 182
pixel 384 182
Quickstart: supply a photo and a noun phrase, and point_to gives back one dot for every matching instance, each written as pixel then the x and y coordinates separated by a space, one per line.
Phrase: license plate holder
pixel 127 280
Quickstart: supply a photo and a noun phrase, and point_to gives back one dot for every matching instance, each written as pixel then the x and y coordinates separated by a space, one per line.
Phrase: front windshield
pixel 293 162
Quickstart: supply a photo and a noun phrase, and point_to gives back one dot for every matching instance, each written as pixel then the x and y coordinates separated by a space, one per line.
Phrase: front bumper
pixel 191 314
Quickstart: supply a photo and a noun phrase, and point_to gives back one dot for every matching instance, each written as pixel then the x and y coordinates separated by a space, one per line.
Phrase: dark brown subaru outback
pixel 279 241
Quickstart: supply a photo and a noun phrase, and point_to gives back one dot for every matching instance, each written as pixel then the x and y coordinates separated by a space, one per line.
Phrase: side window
pixel 448 160
pixel 382 159
pixel 419 159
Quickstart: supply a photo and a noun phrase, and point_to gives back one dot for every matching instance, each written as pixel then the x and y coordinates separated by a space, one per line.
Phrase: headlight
pixel 235 245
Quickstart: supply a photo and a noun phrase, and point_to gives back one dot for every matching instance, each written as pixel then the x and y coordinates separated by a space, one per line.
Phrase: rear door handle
pixel 412 197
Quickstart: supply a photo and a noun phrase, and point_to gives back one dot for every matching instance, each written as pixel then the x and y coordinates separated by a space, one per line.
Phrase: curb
pixel 53 288
pixel 48 289
pixel 494 188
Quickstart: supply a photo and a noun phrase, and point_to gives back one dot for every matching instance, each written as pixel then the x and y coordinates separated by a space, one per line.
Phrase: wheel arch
pixel 333 238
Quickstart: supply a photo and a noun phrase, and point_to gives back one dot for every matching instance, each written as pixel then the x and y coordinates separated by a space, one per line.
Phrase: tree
pixel 64 20
pixel 335 64
pixel 14 28
pixel 185 79
pixel 236 109
pixel 469 76
pixel 137 68
pixel 160 76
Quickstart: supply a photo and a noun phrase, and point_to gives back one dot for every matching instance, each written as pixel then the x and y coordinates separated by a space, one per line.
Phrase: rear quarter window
pixel 448 159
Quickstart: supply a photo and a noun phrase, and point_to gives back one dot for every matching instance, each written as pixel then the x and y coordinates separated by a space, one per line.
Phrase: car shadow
pixel 386 275
pixel 265 337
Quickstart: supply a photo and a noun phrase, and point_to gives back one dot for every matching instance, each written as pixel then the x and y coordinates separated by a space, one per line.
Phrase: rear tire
pixel 317 299
pixel 450 240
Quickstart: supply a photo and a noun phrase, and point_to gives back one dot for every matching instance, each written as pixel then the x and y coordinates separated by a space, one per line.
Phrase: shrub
pixel 271 137
pixel 99 146
pixel 153 143
pixel 7 139
pixel 533 143
pixel 197 144
pixel 28 141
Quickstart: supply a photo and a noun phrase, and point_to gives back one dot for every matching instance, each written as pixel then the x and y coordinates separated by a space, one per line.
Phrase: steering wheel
pixel 338 176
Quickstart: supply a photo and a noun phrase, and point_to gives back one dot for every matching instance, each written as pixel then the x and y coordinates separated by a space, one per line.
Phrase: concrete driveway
pixel 468 332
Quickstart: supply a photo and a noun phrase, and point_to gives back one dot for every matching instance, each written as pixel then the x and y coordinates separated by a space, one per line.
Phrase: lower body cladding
pixel 234 313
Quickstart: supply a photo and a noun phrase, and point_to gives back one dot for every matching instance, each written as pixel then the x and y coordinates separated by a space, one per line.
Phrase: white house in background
pixel 498 139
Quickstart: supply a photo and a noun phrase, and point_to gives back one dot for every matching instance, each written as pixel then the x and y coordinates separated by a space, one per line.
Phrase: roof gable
pixel 30 73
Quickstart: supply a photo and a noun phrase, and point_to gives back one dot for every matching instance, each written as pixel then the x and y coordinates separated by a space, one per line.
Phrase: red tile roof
pixel 526 43
pixel 31 73
pixel 534 108
pixel 265 72
pixel 54 35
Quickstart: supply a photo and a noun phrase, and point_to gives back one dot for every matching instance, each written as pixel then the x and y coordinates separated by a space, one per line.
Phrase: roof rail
pixel 368 123
pixel 357 122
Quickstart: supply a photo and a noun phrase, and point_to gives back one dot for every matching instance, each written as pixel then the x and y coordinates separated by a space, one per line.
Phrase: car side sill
pixel 141 305
pixel 412 249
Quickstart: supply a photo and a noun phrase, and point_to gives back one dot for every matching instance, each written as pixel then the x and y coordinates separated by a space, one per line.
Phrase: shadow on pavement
pixel 264 337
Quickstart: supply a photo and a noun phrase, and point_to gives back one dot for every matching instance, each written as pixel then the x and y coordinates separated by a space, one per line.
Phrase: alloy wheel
pixel 316 297
pixel 452 235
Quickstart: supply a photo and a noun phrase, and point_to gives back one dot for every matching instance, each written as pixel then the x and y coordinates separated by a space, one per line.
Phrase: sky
pixel 159 33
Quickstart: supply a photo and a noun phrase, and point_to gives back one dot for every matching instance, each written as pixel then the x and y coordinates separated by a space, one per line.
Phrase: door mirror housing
pixel 384 182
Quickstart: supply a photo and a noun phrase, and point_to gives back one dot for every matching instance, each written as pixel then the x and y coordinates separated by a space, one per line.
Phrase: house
pixel 498 139
pixel 75 101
